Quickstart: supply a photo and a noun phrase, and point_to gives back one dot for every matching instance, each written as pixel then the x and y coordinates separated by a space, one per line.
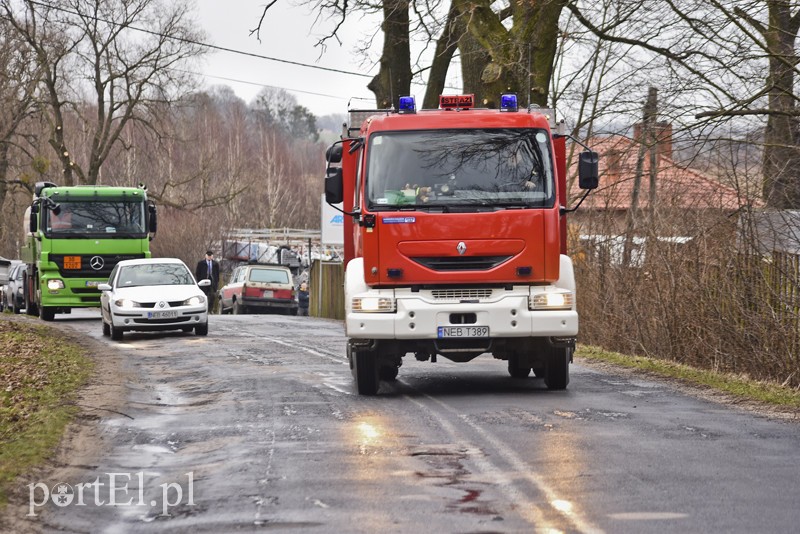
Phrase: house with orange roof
pixel 681 203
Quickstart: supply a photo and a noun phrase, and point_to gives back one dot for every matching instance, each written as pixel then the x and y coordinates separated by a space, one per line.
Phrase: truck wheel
pixel 365 372
pixel 388 372
pixel 46 313
pixel 516 368
pixel 557 369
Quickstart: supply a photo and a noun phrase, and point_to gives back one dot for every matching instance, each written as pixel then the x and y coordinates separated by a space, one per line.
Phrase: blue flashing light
pixel 508 102
pixel 407 105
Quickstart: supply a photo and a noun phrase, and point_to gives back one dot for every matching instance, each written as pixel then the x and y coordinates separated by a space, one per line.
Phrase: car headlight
pixel 563 300
pixel 54 284
pixel 126 303
pixel 374 304
pixel 194 301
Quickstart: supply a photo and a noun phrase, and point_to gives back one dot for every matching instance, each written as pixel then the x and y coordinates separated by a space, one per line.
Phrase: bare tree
pixel 107 62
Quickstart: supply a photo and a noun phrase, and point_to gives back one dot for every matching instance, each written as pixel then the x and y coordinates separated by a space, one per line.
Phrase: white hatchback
pixel 153 294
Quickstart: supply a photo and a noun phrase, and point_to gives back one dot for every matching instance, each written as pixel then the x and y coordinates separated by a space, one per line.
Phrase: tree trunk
pixel 781 187
pixel 445 47
pixel 394 77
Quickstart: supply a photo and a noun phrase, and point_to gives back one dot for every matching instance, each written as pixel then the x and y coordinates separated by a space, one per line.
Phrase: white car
pixel 153 294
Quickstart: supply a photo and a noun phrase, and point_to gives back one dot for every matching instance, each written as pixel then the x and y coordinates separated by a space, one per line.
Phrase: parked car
pixel 259 288
pixel 153 294
pixel 13 292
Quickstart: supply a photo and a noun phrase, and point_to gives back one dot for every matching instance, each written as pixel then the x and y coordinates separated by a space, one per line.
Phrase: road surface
pixel 257 427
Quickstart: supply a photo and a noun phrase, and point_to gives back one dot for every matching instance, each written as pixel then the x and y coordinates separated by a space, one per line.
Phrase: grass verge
pixel 39 376
pixel 736 385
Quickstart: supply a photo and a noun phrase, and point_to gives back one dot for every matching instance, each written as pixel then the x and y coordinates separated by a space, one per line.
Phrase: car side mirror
pixel 205 282
pixel 588 175
pixel 103 287
pixel 334 188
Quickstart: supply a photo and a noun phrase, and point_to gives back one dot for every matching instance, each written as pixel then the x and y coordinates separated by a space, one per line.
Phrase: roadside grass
pixel 736 385
pixel 39 375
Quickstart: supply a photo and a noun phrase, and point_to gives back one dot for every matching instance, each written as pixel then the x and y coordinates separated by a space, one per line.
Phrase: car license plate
pixel 162 314
pixel 72 262
pixel 267 294
pixel 92 283
pixel 463 331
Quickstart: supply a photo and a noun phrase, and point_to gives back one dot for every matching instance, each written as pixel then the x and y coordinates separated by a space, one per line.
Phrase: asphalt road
pixel 257 427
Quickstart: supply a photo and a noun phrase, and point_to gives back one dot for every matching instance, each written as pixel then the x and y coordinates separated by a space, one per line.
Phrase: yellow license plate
pixel 72 262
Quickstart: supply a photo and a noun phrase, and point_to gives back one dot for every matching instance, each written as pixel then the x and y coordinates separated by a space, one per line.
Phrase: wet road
pixel 257 427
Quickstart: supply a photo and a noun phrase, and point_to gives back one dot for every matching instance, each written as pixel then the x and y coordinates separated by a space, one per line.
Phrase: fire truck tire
pixel 365 372
pixel 388 372
pixel 46 313
pixel 517 369
pixel 557 369
pixel 539 372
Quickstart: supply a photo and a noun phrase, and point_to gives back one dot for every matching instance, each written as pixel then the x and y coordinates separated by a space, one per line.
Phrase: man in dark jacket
pixel 302 300
pixel 208 268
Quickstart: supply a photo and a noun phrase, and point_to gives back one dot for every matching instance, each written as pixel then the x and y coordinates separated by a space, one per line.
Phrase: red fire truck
pixel 455 238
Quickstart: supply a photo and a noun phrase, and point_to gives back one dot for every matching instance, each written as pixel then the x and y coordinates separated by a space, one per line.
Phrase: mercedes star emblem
pixel 97 263
pixel 461 248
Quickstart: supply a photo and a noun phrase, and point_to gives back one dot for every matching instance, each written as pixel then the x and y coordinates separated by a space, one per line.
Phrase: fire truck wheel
pixel 539 372
pixel 388 372
pixel 557 369
pixel 365 372
pixel 517 369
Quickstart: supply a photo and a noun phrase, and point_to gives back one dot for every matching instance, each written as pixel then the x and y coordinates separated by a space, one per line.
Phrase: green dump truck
pixel 75 236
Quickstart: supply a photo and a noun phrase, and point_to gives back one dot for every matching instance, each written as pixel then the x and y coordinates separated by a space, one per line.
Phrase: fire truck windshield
pixel 96 218
pixel 468 168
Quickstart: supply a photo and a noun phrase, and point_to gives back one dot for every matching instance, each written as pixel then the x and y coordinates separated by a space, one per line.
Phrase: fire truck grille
pixel 462 263
pixel 461 294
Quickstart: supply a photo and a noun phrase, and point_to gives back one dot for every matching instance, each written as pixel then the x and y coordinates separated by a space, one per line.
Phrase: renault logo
pixel 97 263
pixel 162 304
pixel 461 248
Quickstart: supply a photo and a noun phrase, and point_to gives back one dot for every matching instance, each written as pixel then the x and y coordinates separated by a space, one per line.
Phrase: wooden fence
pixel 326 290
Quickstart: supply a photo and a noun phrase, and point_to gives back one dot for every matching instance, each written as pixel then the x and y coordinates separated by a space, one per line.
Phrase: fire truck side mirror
pixel 334 189
pixel 334 153
pixel 588 170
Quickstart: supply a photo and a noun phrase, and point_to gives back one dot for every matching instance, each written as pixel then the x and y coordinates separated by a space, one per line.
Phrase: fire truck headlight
pixel 563 300
pixel 374 304
pixel 55 284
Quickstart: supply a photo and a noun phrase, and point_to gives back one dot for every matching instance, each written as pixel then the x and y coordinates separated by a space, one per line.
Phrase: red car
pixel 259 289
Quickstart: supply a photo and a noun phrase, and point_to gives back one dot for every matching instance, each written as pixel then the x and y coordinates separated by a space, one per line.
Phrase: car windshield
pixel 273 276
pixel 101 217
pixel 449 168
pixel 154 274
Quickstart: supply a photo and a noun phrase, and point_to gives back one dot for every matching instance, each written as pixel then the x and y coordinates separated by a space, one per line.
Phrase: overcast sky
pixel 286 34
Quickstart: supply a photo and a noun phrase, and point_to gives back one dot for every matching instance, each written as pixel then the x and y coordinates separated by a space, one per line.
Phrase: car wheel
pixel 15 307
pixel 116 333
pixel 201 329
pixel 106 329
pixel 238 309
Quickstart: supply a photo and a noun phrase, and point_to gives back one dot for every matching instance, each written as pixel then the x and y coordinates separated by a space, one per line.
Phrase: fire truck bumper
pixel 420 317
